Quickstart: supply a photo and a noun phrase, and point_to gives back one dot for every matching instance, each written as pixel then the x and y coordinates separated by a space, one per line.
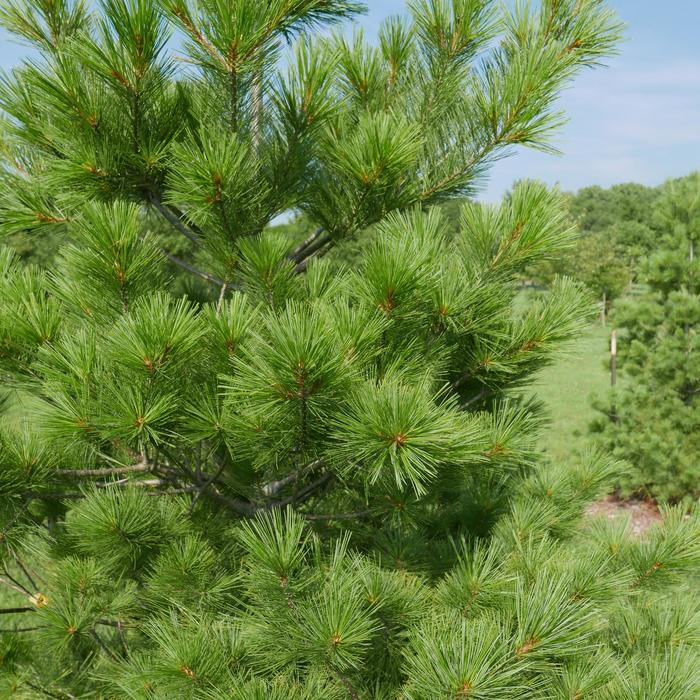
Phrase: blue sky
pixel 637 120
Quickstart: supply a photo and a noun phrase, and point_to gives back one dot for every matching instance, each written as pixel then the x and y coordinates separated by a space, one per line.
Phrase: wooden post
pixel 613 374
pixel 613 358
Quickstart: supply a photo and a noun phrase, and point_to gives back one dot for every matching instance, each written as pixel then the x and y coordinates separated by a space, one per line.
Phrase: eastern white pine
pixel 316 484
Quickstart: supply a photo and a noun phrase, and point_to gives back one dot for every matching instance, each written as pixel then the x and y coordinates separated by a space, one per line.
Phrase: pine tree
pixel 656 420
pixel 314 484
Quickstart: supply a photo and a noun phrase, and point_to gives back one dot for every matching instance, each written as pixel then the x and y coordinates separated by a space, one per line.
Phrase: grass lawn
pixel 567 387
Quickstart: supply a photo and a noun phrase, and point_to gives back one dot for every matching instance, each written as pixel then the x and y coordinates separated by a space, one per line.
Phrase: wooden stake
pixel 613 374
pixel 613 358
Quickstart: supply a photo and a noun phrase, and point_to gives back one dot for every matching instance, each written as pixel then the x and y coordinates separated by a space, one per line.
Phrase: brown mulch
pixel 643 514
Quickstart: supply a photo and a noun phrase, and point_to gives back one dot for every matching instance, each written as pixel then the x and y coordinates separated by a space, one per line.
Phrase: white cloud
pixel 637 122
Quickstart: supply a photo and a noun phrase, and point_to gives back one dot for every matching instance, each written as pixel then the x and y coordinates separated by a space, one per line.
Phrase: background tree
pixel 622 214
pixel 595 261
pixel 597 208
pixel 657 415
pixel 312 485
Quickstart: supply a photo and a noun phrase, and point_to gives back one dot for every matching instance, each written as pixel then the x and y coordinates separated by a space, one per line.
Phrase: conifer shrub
pixel 316 484
pixel 654 421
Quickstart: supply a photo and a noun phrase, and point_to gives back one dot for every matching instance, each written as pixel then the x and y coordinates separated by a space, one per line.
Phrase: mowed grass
pixel 567 388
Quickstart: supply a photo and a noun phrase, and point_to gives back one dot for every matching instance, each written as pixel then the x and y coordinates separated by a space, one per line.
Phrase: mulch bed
pixel 643 514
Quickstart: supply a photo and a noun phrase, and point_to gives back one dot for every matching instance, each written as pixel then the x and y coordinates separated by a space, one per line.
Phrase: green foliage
pixel 311 481
pixel 121 527
pixel 597 209
pixel 596 262
pixel 618 229
pixel 654 422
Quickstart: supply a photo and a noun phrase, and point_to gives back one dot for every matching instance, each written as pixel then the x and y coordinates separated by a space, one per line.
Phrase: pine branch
pixel 12 611
pixel 107 471
pixel 176 218
pixel 320 248
pixel 296 254
pixel 103 646
pixel 274 487
pixel 359 514
pixel 358 136
pixel 486 391
pixel 195 271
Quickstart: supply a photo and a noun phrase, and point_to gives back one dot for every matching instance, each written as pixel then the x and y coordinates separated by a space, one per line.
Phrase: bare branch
pixel 302 495
pixel 25 570
pixel 191 268
pixel 257 109
pixel 173 492
pixel 176 219
pixel 316 249
pixel 241 507
pixel 54 495
pixel 120 483
pixel 49 693
pixel 14 585
pixel 208 482
pixel 12 611
pixel 107 471
pixel 340 516
pixel 11 630
pixel 352 691
pixel 119 624
pixel 296 253
pixel 486 391
pixel 139 483
pixel 249 509
pixel 274 487
pixel 220 302
pixel 103 646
